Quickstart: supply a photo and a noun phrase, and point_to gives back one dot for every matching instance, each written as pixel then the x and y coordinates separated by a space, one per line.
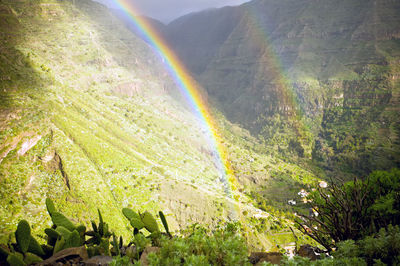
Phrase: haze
pixel 168 10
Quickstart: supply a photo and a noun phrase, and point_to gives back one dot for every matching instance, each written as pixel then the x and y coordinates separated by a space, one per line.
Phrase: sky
pixel 167 10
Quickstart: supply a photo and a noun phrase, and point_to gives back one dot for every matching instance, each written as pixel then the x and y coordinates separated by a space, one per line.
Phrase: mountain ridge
pixel 282 59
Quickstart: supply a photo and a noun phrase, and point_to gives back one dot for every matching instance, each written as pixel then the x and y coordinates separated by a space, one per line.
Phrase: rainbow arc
pixel 187 87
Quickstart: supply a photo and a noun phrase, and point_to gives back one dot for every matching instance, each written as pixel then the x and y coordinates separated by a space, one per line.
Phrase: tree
pixel 353 210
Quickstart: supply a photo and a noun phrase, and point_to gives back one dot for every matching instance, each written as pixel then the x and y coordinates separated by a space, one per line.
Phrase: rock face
pixel 327 69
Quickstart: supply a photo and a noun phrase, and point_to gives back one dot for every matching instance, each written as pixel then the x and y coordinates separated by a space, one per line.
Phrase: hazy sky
pixel 167 10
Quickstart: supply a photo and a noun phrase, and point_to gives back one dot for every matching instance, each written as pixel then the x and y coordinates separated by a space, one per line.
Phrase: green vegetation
pixel 200 246
pixel 90 119
pixel 376 243
pixel 312 80
pixel 353 210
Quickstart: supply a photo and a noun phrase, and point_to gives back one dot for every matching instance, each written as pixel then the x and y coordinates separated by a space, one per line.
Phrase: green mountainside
pixel 314 79
pixel 90 118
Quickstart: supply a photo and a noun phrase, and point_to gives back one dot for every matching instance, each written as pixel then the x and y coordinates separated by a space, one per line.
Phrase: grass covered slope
pixel 87 141
pixel 87 120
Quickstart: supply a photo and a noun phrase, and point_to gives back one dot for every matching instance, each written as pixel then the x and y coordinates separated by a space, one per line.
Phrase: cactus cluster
pixel 65 234
pixel 27 250
pixel 99 241
pixel 145 220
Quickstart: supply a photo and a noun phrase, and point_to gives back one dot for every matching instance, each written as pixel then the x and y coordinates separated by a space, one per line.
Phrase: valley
pixel 92 120
pixel 91 115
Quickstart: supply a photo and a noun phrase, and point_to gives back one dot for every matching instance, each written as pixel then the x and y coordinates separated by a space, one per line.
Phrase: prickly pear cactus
pixel 16 259
pixel 136 223
pixel 23 235
pixel 130 214
pixel 31 258
pixel 64 232
pixel 35 248
pixel 81 229
pixel 50 206
pixel 74 240
pixel 51 233
pixel 164 222
pixel 149 222
pixel 60 220
pixel 59 245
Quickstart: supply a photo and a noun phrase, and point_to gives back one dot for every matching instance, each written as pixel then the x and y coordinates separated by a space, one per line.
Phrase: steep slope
pixel 312 77
pixel 121 15
pixel 87 118
pixel 198 36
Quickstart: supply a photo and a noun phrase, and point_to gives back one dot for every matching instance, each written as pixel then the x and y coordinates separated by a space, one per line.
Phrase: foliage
pixel 120 261
pixel 381 249
pixel 300 261
pixel 63 234
pixel 145 220
pixel 353 210
pixel 385 246
pixel 26 251
pixel 99 243
pixel 200 246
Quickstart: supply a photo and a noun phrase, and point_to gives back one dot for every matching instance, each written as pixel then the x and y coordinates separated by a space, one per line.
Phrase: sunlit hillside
pixel 90 117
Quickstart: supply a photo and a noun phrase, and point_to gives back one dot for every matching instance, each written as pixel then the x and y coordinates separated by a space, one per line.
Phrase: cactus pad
pixel 50 206
pixel 35 248
pixel 60 220
pixel 31 258
pixel 130 214
pixel 23 235
pixel 74 240
pixel 136 223
pixel 15 260
pixel 149 222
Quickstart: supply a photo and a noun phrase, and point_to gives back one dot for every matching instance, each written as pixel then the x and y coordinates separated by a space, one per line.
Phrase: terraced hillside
pixel 90 118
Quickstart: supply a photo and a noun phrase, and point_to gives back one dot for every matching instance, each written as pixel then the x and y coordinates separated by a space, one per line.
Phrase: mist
pixel 168 10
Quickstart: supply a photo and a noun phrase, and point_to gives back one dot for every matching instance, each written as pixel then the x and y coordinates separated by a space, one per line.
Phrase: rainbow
pixel 260 37
pixel 188 88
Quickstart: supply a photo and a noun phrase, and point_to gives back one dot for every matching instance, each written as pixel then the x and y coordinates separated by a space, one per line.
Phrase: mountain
pixel 127 20
pixel 91 118
pixel 314 78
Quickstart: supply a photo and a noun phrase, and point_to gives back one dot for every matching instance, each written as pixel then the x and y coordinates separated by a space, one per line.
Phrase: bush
pixel 353 210
pixel 224 246
pixel 385 247
pixel 381 249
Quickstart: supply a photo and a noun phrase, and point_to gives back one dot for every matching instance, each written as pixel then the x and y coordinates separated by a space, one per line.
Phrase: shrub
pixel 223 246
pixel 353 210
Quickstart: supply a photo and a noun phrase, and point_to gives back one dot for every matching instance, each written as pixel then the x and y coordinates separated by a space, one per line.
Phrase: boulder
pixel 259 257
pixel 98 261
pixel 309 251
